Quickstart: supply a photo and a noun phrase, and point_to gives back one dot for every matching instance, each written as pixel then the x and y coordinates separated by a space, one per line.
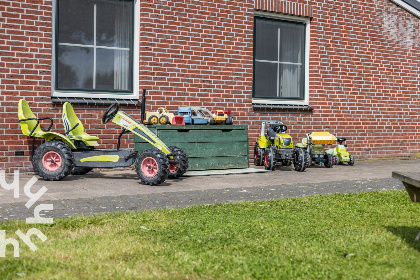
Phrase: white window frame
pixel 279 101
pixel 94 95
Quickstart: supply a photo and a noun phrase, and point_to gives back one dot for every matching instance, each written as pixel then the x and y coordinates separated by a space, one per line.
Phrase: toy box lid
pixel 322 138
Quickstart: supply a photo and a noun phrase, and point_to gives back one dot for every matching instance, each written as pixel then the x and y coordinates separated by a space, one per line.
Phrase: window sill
pixel 94 101
pixel 281 104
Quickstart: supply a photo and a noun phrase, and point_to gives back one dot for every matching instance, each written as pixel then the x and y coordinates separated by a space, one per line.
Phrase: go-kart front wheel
pixel 152 167
pixel 53 160
pixel 178 169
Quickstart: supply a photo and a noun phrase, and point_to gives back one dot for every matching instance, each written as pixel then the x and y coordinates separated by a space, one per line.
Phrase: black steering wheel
pixel 110 113
pixel 280 128
pixel 340 140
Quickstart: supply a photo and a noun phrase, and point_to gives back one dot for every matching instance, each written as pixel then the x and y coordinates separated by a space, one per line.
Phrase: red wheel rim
pixel 52 161
pixel 266 159
pixel 173 167
pixel 149 167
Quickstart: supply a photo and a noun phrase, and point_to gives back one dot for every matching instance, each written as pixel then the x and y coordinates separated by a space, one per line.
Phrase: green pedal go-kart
pixel 76 153
pixel 340 153
pixel 276 147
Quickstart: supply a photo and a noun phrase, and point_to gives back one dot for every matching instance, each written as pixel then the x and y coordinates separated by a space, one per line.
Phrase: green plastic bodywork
pixel 341 152
pixel 140 130
pixel 263 142
pixel 25 112
pixel 70 120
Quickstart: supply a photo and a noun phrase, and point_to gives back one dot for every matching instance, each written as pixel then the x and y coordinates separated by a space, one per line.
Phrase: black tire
pixel 163 119
pixel 63 154
pixel 336 160
pixel 351 162
pixel 211 120
pixel 258 155
pixel 329 160
pixel 229 120
pixel 299 159
pixel 308 159
pixel 153 119
pixel 160 168
pixel 81 170
pixel 270 160
pixel 182 163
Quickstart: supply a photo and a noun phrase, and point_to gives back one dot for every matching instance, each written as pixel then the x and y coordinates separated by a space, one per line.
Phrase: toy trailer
pixel 316 142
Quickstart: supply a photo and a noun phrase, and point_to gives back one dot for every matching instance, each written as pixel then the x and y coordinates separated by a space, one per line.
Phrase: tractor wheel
pixel 299 160
pixel 211 121
pixel 308 159
pixel 336 160
pixel 229 120
pixel 152 167
pixel 163 119
pixel 53 160
pixel 329 160
pixel 153 119
pixel 270 160
pixel 258 155
pixel 351 162
pixel 178 169
pixel 81 170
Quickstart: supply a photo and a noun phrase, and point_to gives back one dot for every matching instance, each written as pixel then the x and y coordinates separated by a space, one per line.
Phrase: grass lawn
pixel 353 236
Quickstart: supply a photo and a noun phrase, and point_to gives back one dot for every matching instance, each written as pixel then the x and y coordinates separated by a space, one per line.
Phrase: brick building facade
pixel 356 74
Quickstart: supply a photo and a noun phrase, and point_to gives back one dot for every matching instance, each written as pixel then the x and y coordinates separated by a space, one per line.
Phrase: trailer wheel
pixel 81 170
pixel 178 169
pixel 53 160
pixel 299 159
pixel 329 161
pixel 152 167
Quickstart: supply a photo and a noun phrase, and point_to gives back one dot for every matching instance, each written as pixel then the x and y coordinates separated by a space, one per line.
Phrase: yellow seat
pixel 74 128
pixel 31 127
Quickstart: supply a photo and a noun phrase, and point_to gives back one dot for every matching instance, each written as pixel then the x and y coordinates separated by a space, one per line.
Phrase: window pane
pixel 75 65
pixel 291 42
pixel 266 79
pixel 114 24
pixel 113 70
pixel 75 22
pixel 266 41
pixel 291 85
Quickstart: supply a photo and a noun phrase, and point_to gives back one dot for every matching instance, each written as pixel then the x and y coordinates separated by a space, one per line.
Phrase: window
pixel 94 42
pixel 280 55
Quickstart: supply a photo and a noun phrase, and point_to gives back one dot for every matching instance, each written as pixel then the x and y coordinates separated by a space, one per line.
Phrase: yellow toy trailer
pixel 315 143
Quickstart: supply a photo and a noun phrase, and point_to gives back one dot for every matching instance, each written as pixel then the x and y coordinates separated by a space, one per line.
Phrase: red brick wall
pixel 364 70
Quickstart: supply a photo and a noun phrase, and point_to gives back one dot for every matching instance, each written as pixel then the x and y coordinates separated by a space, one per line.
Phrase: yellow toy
pixel 161 116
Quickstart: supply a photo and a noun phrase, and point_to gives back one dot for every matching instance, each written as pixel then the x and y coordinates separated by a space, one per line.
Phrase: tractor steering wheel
pixel 283 127
pixel 110 113
pixel 340 140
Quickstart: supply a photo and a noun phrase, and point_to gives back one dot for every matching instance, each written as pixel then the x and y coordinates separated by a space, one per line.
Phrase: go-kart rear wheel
pixel 259 155
pixel 81 170
pixel 270 160
pixel 53 160
pixel 329 160
pixel 299 159
pixel 336 160
pixel 178 169
pixel 152 167
pixel 351 162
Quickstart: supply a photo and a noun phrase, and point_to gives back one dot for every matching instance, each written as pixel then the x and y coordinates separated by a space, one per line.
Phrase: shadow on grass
pixel 407 234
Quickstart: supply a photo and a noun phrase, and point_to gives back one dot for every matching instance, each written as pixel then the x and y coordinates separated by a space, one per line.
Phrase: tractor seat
pixel 74 128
